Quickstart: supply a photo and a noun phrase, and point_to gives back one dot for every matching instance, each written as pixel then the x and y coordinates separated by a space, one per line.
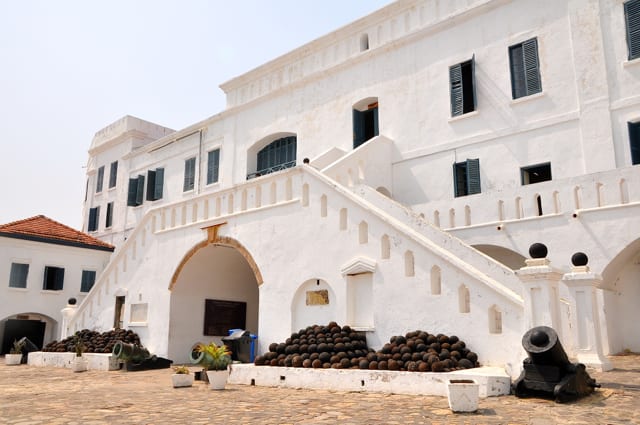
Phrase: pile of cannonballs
pixel 335 347
pixel 94 342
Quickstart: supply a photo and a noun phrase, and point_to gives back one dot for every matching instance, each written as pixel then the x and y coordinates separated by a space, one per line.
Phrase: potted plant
pixel 79 363
pixel 215 359
pixel 181 377
pixel 15 353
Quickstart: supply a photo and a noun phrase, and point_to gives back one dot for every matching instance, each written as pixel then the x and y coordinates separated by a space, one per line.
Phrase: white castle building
pixel 392 176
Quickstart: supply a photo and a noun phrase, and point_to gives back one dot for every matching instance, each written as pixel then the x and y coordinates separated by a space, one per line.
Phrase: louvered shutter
pixel 376 130
pixel 92 220
pixel 473 81
pixel 531 66
pixel 140 190
pixel 159 184
pixel 473 176
pixel 518 86
pixel 109 219
pixel 632 21
pixel 133 189
pixel 189 174
pixel 455 87
pixel 113 174
pixel 459 180
pixel 59 279
pixel 213 164
pixel 151 185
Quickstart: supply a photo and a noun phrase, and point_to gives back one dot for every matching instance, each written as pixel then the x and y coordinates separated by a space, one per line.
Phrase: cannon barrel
pixel 130 352
pixel 543 347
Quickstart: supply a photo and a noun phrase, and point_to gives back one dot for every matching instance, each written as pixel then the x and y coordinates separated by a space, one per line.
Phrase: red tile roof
pixel 44 229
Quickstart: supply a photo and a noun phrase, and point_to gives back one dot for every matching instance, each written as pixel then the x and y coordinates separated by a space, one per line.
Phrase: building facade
pixel 391 175
pixel 44 263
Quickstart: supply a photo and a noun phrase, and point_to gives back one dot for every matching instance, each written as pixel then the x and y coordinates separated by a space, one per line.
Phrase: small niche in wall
pixel 139 313
pixel 320 297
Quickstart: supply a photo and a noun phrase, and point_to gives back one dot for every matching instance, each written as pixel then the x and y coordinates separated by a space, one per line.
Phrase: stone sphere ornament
pixel 538 250
pixel 579 259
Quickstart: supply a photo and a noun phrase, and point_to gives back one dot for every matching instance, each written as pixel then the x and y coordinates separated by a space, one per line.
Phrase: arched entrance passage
pixel 215 288
pixel 621 292
pixel 40 329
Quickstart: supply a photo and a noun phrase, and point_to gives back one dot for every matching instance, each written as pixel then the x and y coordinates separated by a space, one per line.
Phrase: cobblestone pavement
pixel 31 395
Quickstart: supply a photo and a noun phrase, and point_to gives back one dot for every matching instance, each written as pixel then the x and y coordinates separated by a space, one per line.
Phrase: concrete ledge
pixel 493 381
pixel 96 361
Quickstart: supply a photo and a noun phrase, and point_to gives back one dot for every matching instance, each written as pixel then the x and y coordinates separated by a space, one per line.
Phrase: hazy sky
pixel 69 68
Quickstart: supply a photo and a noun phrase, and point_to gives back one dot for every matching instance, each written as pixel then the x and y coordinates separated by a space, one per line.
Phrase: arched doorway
pixel 621 294
pixel 214 289
pixel 38 328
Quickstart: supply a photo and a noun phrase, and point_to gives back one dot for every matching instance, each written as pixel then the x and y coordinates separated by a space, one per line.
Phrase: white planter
pixel 463 395
pixel 79 364
pixel 12 359
pixel 217 378
pixel 182 380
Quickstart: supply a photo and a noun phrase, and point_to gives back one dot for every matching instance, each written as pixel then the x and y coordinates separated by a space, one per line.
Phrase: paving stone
pixel 33 396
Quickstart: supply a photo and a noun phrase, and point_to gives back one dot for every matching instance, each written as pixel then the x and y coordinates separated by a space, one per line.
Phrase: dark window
pixel 113 174
pixel 100 179
pixel 53 278
pixel 136 191
pixel 276 156
pixel 462 87
pixel 18 275
pixel 155 184
pixel 632 22
pixel 88 279
pixel 365 124
pixel 634 142
pixel 220 316
pixel 525 69
pixel 213 165
pixel 109 220
pixel 466 177
pixel 94 216
pixel 189 174
pixel 535 173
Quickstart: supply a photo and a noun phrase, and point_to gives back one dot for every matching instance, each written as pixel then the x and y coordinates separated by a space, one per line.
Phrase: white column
pixel 583 286
pixel 67 313
pixel 540 294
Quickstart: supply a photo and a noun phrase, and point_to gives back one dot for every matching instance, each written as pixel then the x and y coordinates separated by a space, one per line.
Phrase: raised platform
pixel 96 361
pixel 493 381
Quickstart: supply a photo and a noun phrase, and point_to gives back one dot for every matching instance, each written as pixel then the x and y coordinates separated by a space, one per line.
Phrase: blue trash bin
pixel 242 345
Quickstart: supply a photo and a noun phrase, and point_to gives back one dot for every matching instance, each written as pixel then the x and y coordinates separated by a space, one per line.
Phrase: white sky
pixel 70 67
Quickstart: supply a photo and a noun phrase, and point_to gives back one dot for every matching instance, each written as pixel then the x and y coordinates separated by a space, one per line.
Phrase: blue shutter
pixel 151 185
pixel 132 194
pixel 455 88
pixel 473 176
pixel 140 190
pixel 632 21
pixel 159 185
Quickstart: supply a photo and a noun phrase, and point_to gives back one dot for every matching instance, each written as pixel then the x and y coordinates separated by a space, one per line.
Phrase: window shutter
pixel 376 130
pixel 632 21
pixel 133 190
pixel 213 165
pixel 473 176
pixel 100 179
pixel 109 219
pixel 455 86
pixel 531 66
pixel 159 184
pixel 59 279
pixel 140 190
pixel 151 185
pixel 189 174
pixel 517 72
pixel 97 218
pixel 358 128
pixel 92 220
pixel 459 180
pixel 473 81
pixel 113 174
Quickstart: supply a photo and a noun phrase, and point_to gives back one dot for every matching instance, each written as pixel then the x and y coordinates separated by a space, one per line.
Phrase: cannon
pixel 548 373
pixel 136 357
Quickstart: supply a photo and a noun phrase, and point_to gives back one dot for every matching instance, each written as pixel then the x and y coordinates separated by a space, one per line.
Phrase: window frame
pixel 85 278
pixel 213 170
pixel 462 87
pixel 189 182
pixel 14 274
pixel 109 216
pixel 633 129
pixel 100 179
pixel 524 172
pixel 466 178
pixel 113 174
pixel 55 276
pixel 524 67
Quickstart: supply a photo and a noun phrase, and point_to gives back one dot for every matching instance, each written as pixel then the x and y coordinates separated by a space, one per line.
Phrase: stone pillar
pixel 540 294
pixel 67 313
pixel 583 286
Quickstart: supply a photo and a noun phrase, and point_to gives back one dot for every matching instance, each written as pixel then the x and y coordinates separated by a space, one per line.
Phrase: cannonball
pixel 465 364
pixel 383 365
pixel 363 364
pixel 306 363
pixel 437 367
pixel 473 357
pixel 373 365
pixel 316 364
